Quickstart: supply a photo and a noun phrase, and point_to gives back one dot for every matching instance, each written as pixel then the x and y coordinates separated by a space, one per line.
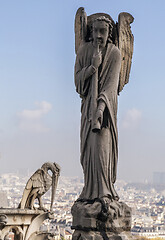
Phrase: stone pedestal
pixel 100 219
pixel 94 235
pixel 25 223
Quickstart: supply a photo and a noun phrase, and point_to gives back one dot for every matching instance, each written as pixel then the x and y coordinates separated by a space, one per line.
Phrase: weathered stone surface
pixel 91 235
pixel 104 52
pixel 3 219
pixel 38 184
pixel 25 221
pixel 97 80
pixel 42 236
pixel 110 216
pixel 95 235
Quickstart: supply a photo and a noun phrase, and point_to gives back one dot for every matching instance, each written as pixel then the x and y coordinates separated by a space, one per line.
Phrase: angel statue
pixel 104 53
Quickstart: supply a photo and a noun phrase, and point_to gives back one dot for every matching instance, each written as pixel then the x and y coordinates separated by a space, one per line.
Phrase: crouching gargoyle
pixel 38 184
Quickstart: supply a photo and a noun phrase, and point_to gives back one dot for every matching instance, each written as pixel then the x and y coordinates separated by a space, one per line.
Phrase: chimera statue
pixel 38 184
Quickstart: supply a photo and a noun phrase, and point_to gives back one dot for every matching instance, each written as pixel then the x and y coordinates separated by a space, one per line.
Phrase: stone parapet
pixel 24 223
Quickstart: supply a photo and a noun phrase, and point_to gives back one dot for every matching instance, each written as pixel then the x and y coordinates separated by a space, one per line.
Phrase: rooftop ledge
pixel 18 211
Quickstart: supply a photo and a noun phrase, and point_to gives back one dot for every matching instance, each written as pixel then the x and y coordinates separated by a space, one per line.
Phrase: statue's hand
pixel 97 60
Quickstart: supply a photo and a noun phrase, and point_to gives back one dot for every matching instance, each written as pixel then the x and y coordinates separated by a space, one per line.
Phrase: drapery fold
pixel 99 151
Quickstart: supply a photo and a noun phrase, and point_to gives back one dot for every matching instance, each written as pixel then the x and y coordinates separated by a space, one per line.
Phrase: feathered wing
pixel 122 29
pixel 80 27
pixel 126 40
pixel 37 179
pixel 35 182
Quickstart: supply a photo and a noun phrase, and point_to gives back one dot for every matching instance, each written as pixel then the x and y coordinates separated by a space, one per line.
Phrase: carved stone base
pixel 102 215
pixel 25 223
pixel 91 235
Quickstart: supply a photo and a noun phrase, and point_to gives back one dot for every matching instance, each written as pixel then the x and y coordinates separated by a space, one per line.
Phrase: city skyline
pixel 147 203
pixel 40 110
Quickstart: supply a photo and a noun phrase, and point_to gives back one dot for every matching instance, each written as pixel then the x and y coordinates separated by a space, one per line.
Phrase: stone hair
pixel 107 20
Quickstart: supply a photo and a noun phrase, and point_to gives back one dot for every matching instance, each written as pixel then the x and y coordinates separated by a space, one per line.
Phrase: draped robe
pixel 99 151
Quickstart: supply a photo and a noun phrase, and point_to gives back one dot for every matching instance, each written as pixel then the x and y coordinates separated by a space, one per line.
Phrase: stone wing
pixel 36 180
pixel 80 27
pixel 125 41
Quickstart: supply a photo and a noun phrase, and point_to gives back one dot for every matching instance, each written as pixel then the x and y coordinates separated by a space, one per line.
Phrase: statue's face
pixel 100 33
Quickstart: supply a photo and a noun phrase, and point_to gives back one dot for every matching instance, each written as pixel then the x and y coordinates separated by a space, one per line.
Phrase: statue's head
pixel 53 167
pixel 102 31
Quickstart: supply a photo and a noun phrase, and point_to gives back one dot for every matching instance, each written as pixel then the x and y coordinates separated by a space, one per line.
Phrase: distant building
pixel 3 200
pixel 159 178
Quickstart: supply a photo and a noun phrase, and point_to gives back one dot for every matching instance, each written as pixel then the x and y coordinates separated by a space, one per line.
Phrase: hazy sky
pixel 40 110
